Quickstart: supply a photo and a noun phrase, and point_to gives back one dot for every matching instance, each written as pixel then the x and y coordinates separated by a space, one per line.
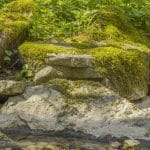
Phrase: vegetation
pixel 114 32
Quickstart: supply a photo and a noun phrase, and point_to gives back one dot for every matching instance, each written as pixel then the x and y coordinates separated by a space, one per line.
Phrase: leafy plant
pixel 26 72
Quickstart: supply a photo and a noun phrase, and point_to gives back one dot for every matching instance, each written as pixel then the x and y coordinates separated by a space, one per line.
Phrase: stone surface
pixel 46 74
pixel 78 73
pixel 137 94
pixel 11 88
pixel 131 145
pixel 69 60
pixel 143 103
pixel 94 110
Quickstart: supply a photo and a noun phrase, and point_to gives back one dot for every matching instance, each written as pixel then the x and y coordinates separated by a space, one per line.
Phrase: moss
pixel 68 87
pixel 62 85
pixel 34 54
pixel 125 69
pixel 81 42
pixel 111 32
pixel 15 31
pixel 21 6
pixel 111 21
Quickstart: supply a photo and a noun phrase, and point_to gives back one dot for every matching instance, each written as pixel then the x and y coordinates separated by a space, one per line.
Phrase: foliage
pixel 3 2
pixel 21 6
pixel 66 18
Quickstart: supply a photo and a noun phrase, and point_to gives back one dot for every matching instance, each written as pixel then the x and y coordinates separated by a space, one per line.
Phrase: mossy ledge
pixel 126 70
pixel 15 22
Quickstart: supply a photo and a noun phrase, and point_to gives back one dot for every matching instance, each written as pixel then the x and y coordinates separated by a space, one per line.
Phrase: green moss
pixel 125 69
pixel 68 87
pixel 113 22
pixel 111 32
pixel 21 6
pixel 15 31
pixel 34 54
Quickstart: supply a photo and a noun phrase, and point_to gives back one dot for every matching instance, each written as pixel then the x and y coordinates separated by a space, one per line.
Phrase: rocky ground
pixel 72 104
pixel 73 93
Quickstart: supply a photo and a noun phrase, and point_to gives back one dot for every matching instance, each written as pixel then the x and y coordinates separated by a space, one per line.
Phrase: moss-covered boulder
pixel 12 35
pixel 125 71
pixel 14 24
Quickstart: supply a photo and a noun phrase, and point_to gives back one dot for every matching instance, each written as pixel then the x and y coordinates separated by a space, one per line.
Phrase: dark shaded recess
pixel 3 99
pixel 12 44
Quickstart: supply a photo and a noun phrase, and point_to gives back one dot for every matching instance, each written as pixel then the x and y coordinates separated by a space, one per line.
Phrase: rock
pixel 124 71
pixel 143 103
pixel 11 88
pixel 69 60
pixel 114 145
pixel 78 73
pixel 4 137
pixel 137 94
pixel 98 112
pixel 46 74
pixel 131 145
pixel 67 66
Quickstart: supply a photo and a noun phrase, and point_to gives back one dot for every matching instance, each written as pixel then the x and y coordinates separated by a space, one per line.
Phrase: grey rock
pixel 69 60
pixel 11 88
pixel 97 111
pixel 131 145
pixel 144 103
pixel 46 74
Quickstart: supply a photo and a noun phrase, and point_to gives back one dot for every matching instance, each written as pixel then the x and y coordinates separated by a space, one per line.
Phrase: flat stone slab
pixel 69 60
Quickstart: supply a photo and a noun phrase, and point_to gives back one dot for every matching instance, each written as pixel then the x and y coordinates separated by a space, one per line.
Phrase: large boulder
pixel 11 88
pixel 80 106
pixel 124 71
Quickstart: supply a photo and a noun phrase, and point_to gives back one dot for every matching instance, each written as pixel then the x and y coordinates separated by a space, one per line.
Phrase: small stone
pixel 46 74
pixel 131 145
pixel 11 88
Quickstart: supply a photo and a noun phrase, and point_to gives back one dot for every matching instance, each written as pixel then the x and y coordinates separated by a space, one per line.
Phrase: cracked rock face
pixel 84 106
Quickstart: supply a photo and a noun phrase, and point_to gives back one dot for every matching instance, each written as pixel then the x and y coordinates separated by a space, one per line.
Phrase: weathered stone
pixel 131 145
pixel 137 94
pixel 69 60
pixel 144 103
pixel 11 88
pixel 46 74
pixel 45 108
pixel 78 73
pixel 114 145
pixel 49 73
